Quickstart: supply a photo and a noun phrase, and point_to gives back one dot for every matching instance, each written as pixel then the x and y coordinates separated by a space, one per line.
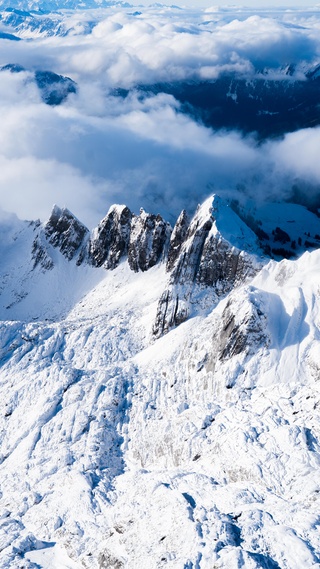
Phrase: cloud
pixel 266 42
pixel 168 44
pixel 298 155
pixel 30 186
pixel 98 149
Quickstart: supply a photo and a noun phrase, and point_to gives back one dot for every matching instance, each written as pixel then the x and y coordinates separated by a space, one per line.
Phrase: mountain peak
pixel 64 231
pixel 227 224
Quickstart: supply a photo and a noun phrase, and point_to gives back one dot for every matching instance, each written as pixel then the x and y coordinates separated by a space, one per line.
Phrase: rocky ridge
pixel 203 261
pixel 207 263
pixel 205 257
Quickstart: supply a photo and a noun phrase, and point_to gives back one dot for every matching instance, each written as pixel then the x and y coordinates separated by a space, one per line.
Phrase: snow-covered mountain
pixel 160 401
pixel 24 6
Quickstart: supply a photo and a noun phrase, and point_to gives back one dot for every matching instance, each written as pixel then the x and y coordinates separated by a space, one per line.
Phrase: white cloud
pixel 97 149
pixel 30 186
pixel 298 154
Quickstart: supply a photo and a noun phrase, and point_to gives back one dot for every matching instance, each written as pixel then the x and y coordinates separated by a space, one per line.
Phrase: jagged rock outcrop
pixel 222 263
pixel 173 307
pixel 110 240
pixel 243 325
pixel 149 241
pixel 241 336
pixel 65 232
pixel 178 237
pixel 217 254
pixel 205 258
pixel 40 254
pixel 144 239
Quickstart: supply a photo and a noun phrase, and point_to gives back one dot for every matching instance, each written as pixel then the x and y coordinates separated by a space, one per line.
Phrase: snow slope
pixel 32 289
pixel 199 449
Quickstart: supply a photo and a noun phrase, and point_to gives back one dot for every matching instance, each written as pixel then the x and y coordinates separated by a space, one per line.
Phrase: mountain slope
pixel 199 448
pixel 268 102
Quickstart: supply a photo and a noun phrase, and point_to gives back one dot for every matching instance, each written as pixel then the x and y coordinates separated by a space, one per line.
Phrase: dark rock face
pixel 239 335
pixel 187 266
pixel 172 310
pixel 178 237
pixel 40 255
pixel 149 241
pixel 173 305
pixel 54 88
pixel 65 231
pixel 143 239
pixel 204 265
pixel 243 330
pixel 221 263
pixel 110 241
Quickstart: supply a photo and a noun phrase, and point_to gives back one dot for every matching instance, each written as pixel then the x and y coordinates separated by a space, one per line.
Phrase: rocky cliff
pixel 109 241
pixel 205 257
pixel 217 252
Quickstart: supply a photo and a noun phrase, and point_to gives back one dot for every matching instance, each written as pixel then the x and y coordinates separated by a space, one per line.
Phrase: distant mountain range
pixel 25 6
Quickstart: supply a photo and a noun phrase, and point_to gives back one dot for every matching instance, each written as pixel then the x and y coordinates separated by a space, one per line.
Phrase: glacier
pixel 124 444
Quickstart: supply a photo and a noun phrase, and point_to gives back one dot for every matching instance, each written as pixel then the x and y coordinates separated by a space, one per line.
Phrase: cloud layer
pixel 97 149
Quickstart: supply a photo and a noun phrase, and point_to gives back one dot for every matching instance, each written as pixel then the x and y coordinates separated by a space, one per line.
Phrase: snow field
pixel 196 450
